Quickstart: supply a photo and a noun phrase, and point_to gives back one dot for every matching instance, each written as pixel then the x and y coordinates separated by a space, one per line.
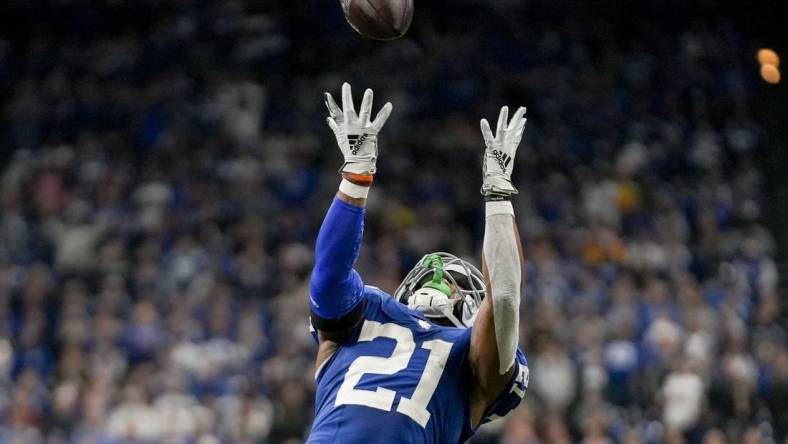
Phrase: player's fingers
pixel 521 127
pixel 347 102
pixel 366 107
pixel 382 116
pixel 332 124
pixel 487 132
pixel 333 108
pixel 503 117
pixel 518 118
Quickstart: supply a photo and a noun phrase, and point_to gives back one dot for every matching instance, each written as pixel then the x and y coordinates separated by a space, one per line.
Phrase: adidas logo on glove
pixel 502 158
pixel 356 142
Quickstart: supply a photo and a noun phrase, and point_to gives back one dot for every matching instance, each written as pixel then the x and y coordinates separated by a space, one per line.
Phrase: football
pixel 379 19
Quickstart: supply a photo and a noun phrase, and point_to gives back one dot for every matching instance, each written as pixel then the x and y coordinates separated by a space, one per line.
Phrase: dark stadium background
pixel 164 167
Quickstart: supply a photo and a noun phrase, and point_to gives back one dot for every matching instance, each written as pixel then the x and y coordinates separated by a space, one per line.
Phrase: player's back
pixel 398 379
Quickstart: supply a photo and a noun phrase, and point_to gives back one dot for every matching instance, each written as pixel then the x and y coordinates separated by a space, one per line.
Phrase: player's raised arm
pixel 496 330
pixel 335 287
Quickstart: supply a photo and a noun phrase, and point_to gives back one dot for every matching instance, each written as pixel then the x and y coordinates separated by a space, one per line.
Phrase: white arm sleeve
pixel 503 265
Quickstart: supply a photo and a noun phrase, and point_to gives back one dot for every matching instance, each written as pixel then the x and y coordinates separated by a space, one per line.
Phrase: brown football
pixel 379 19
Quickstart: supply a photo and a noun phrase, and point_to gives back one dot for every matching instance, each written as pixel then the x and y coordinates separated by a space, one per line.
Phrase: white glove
pixel 500 151
pixel 357 137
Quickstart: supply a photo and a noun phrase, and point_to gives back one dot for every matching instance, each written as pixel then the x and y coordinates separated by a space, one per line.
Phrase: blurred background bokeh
pixel 165 166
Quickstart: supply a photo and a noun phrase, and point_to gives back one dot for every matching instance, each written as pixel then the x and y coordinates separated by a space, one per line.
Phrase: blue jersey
pixel 395 377
pixel 401 379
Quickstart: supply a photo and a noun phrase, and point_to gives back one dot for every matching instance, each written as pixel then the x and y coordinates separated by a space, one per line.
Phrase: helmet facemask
pixel 445 288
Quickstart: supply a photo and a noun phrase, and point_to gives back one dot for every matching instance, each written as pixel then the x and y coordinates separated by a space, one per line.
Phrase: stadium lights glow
pixel 770 63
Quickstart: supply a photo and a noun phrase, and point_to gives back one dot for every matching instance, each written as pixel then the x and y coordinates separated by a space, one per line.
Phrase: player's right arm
pixel 493 354
pixel 336 289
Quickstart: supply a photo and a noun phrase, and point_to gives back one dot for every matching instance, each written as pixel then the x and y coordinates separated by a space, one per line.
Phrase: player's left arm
pixel 335 286
pixel 495 334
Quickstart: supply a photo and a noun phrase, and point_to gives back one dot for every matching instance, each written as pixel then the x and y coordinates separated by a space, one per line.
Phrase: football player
pixel 440 357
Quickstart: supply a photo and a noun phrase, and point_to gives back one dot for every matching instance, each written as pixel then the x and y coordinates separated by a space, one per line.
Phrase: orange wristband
pixel 359 179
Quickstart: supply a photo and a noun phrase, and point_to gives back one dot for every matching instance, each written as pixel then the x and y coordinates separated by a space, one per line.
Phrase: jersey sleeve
pixel 336 289
pixel 513 394
pixel 338 330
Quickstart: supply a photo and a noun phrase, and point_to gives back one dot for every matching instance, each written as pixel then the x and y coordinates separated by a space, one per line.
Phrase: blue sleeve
pixel 336 288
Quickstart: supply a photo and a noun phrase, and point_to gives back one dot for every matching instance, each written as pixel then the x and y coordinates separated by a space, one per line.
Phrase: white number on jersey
pixel 382 398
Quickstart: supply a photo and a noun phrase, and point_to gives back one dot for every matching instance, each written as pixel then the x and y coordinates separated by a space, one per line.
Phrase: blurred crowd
pixel 166 167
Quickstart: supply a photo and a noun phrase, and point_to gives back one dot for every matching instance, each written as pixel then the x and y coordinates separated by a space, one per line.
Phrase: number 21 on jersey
pixel 382 399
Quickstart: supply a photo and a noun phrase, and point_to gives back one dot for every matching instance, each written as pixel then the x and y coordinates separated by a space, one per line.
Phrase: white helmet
pixel 443 286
